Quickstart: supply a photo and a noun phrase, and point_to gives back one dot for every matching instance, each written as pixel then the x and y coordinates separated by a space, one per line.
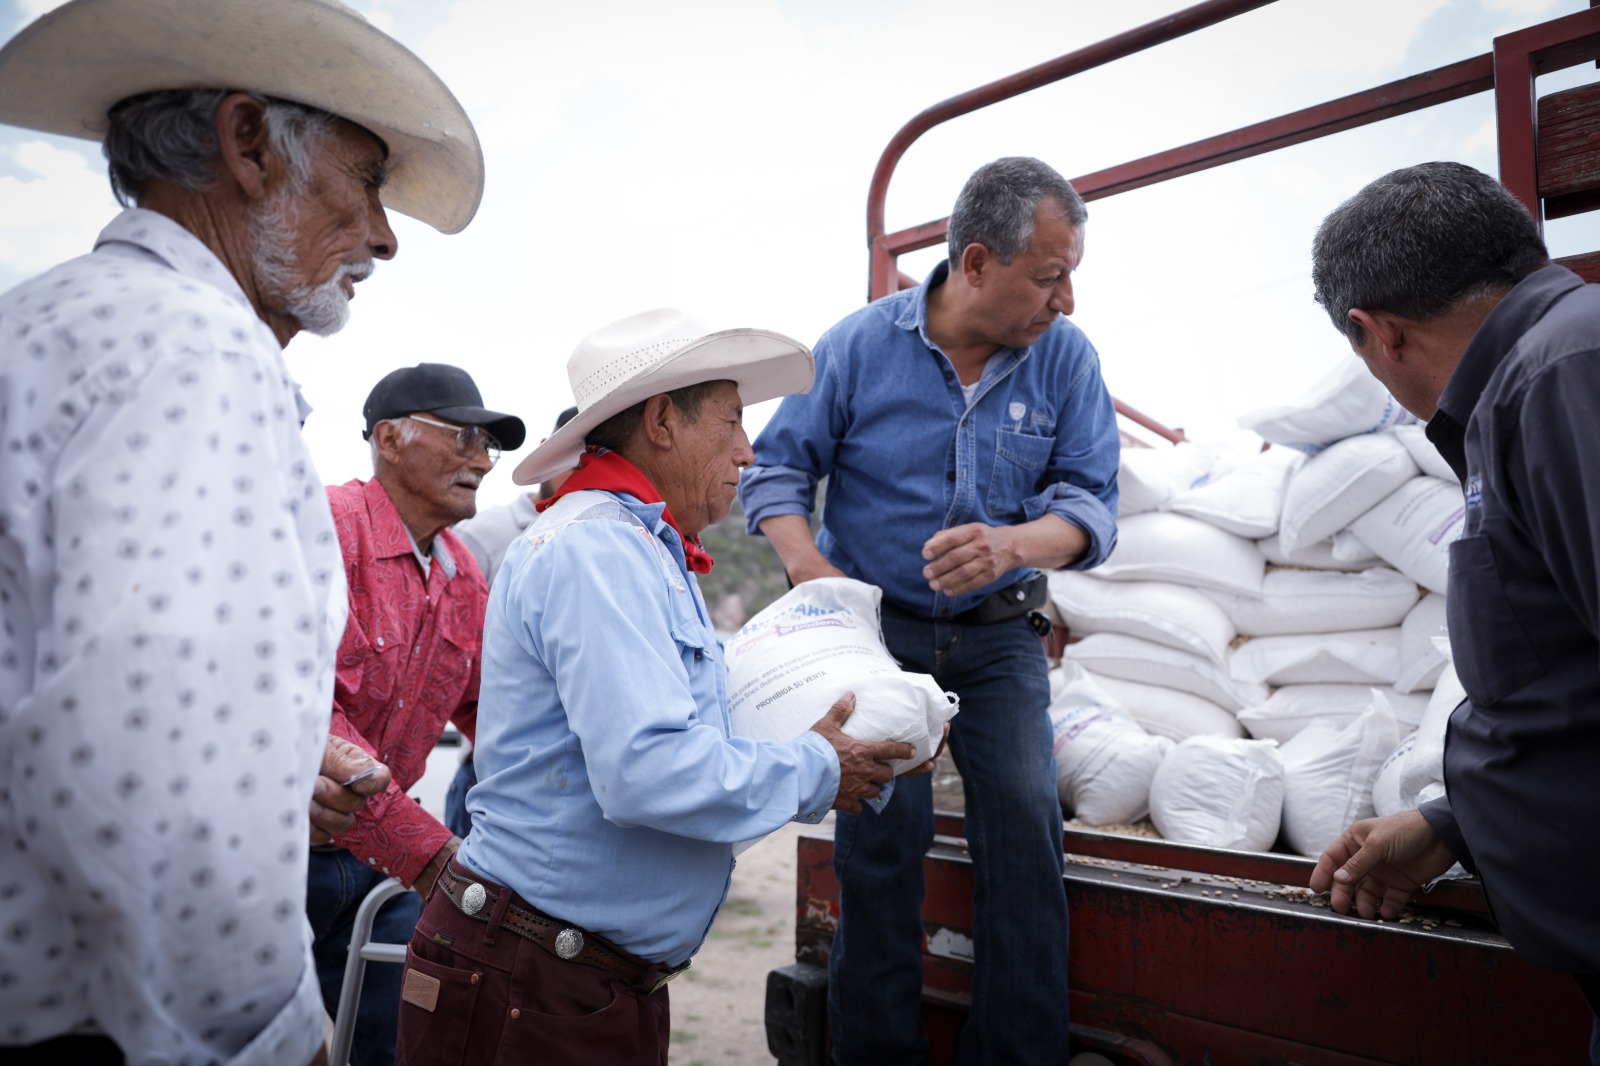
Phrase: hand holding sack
pixel 822 639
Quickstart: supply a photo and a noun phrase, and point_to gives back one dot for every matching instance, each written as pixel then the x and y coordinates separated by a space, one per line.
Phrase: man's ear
pixel 246 155
pixel 975 259
pixel 1385 329
pixel 660 421
pixel 386 435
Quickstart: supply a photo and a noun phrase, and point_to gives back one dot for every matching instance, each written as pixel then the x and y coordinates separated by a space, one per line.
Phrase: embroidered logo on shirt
pixel 1017 410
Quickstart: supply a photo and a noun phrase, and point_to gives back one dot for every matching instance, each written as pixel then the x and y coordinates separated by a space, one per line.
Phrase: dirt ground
pixel 717 1005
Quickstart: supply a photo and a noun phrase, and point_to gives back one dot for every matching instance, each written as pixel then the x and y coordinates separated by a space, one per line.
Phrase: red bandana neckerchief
pixel 599 468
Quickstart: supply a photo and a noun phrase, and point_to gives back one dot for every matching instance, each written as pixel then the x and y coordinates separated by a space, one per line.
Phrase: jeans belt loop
pixel 497 915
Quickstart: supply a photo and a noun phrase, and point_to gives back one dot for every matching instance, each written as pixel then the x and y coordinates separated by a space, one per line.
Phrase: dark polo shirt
pixel 1519 421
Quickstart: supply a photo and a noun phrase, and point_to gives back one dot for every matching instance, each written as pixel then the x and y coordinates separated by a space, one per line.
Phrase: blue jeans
pixel 1001 743
pixel 456 815
pixel 336 883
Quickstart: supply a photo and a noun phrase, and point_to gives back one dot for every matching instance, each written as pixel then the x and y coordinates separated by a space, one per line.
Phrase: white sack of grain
pixel 1346 403
pixel 1360 657
pixel 1149 477
pixel 1423 453
pixel 1293 707
pixel 1167 712
pixel 1320 601
pixel 821 639
pixel 1349 550
pixel 1244 494
pixel 1158 611
pixel 1412 528
pixel 1104 760
pixel 1386 799
pixel 1132 659
pixel 1330 554
pixel 1422 773
pixel 1185 551
pixel 1219 793
pixel 1424 645
pixel 1328 773
pixel 1338 485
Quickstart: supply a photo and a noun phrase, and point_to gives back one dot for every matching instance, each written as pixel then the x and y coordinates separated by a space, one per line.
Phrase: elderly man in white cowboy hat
pixel 610 793
pixel 171 590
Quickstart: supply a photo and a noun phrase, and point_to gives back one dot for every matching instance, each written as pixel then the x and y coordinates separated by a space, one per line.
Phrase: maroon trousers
pixel 477 993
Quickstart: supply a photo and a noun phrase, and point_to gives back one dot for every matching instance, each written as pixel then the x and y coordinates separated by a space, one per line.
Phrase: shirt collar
pixel 1514 315
pixel 159 236
pixel 915 314
pixel 390 537
pixel 181 250
pixel 1494 340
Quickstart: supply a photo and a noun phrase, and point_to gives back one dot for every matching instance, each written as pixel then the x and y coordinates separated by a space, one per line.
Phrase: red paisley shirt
pixel 408 662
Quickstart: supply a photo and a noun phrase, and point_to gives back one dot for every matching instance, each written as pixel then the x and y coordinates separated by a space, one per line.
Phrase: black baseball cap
pixel 443 390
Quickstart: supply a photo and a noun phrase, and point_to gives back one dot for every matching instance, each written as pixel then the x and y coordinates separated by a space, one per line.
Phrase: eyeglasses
pixel 468 438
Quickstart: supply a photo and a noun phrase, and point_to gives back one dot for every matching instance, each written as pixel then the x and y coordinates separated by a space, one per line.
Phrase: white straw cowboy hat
pixel 62 74
pixel 658 351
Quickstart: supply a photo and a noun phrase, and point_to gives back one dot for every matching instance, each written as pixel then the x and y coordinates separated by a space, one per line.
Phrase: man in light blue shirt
pixel 967 438
pixel 610 793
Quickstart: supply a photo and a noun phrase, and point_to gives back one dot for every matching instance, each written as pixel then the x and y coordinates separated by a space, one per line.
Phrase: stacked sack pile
pixel 1264 652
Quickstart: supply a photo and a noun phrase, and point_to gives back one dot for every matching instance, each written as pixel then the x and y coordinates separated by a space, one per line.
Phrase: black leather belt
pixel 476 898
pixel 1026 595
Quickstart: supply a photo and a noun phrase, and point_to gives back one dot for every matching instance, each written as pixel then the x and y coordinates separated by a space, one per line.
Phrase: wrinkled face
pixel 433 473
pixel 707 459
pixel 317 238
pixel 1018 301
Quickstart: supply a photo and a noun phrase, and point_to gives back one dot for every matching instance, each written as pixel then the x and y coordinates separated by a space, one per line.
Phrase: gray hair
pixel 617 431
pixel 998 203
pixel 170 135
pixel 407 429
pixel 1420 242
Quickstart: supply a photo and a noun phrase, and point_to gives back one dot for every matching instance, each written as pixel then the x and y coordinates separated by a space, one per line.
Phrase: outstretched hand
pixel 333 804
pixel 1380 863
pixel 863 765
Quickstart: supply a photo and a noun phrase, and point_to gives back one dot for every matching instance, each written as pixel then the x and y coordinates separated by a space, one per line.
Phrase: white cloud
pixel 55 202
pixel 32 9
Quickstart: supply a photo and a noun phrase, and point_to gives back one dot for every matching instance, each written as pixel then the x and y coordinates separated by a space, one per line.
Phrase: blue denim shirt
pixel 609 792
pixel 905 456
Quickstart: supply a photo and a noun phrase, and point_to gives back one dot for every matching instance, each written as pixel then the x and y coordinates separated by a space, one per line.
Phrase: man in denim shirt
pixel 967 438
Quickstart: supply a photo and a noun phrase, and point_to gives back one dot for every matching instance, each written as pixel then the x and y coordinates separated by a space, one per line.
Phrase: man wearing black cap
pixel 408 661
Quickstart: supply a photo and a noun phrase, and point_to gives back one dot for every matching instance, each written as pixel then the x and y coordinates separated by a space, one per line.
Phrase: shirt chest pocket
pixel 1493 655
pixel 703 664
pixel 1019 462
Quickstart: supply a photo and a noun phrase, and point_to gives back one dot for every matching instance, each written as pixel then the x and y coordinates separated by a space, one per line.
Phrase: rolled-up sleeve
pixel 796 449
pixel 1082 475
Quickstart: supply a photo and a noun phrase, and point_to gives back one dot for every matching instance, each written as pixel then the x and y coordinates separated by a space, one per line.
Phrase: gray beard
pixel 320 309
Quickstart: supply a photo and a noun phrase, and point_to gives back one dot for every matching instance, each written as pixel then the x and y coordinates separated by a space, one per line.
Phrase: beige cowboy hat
pixel 63 72
pixel 658 351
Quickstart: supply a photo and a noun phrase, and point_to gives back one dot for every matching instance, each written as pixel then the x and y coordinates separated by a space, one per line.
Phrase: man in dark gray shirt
pixel 1439 279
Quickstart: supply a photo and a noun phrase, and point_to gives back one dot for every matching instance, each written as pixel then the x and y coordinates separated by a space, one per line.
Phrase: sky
pixel 715 155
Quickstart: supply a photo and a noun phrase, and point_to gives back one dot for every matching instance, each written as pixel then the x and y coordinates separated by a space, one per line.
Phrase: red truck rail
pixel 1182 954
pixel 1567 156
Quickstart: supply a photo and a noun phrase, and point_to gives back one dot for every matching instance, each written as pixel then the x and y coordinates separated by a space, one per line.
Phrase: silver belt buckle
pixel 473 899
pixel 569 942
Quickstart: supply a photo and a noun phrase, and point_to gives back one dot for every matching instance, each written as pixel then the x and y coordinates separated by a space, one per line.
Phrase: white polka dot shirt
pixel 171 598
